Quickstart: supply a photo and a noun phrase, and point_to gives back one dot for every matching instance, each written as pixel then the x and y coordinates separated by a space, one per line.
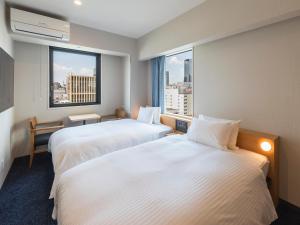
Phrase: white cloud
pixel 86 71
pixel 62 67
pixel 62 70
pixel 176 61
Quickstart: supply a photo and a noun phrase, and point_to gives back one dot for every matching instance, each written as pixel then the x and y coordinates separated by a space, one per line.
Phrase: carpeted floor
pixel 24 196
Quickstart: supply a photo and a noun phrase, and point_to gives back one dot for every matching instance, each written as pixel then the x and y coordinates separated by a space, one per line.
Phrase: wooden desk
pixel 84 118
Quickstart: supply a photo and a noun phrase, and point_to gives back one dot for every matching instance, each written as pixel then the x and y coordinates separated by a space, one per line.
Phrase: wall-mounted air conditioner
pixel 38 25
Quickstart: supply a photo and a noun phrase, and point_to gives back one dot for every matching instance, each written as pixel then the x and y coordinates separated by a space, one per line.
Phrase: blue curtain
pixel 158 80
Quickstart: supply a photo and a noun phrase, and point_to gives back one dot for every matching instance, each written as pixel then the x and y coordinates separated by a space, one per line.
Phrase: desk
pixel 84 118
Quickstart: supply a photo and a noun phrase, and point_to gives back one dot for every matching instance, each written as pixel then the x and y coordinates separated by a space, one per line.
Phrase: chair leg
pixel 31 157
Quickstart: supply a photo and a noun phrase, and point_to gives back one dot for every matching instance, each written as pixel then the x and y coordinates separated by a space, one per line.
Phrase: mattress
pixel 262 161
pixel 75 145
pixel 168 181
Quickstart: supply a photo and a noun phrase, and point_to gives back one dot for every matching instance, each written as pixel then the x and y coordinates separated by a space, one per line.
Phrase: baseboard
pixel 289 206
pixel 5 171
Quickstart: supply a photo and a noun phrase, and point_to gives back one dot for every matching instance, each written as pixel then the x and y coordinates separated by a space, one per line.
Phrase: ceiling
pixel 132 18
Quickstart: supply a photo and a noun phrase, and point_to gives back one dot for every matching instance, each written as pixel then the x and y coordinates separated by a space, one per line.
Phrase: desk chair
pixel 40 134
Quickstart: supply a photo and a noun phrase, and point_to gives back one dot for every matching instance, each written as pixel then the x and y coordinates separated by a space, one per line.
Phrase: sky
pixel 175 66
pixel 65 62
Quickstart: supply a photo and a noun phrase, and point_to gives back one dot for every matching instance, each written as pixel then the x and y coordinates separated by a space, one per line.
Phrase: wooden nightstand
pixel 175 132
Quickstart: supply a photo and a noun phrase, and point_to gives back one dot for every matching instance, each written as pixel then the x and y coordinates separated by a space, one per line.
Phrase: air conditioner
pixel 38 25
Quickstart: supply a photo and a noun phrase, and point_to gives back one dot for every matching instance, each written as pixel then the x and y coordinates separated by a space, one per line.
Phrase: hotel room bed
pixel 168 181
pixel 75 145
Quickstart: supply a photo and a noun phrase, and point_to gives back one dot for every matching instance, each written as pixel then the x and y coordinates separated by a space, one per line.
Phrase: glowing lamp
pixel 266 146
pixel 77 2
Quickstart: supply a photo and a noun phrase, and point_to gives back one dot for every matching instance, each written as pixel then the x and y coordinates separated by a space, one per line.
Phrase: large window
pixel 179 84
pixel 74 77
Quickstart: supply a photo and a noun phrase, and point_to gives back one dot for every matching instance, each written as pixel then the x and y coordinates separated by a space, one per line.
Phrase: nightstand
pixel 175 132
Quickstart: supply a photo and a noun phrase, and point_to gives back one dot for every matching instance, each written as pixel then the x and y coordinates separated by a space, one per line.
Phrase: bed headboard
pixel 252 141
pixel 170 120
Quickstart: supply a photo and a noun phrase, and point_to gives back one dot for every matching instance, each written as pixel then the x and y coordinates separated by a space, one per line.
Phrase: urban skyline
pixel 76 89
pixel 79 66
pixel 178 84
pixel 175 66
pixel 68 62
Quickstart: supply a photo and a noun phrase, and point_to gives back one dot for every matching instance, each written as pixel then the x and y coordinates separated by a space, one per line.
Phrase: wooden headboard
pixel 250 140
pixel 170 120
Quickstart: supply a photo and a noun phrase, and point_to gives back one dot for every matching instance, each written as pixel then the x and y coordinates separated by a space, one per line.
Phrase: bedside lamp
pixel 266 146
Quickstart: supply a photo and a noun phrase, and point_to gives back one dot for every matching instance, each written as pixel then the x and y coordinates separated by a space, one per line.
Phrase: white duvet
pixel 75 145
pixel 171 181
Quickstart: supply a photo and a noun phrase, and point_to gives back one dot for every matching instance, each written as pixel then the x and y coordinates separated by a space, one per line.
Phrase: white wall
pixel 138 87
pixel 31 95
pixel 90 39
pixel 126 85
pixel 215 19
pixel 6 117
pixel 255 77
pixel 112 42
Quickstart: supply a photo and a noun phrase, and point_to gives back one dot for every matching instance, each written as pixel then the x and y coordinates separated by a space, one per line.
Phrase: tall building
pixel 185 103
pixel 179 101
pixel 188 70
pixel 167 78
pixel 81 88
pixel 59 93
pixel 171 99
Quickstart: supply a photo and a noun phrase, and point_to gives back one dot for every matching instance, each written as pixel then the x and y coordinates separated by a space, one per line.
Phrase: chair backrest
pixel 33 123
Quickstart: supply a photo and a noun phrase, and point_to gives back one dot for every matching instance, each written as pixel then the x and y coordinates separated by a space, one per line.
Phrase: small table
pixel 175 132
pixel 85 117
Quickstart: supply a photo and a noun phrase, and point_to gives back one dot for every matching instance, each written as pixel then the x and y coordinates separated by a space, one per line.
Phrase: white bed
pixel 168 181
pixel 75 145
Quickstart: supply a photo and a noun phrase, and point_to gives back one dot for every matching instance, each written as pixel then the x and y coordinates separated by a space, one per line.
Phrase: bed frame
pixel 250 140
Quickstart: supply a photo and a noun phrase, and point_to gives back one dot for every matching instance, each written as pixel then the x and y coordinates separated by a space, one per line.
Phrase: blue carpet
pixel 24 196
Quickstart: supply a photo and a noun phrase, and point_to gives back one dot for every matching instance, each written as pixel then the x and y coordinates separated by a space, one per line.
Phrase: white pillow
pixel 156 114
pixel 145 115
pixel 235 126
pixel 212 133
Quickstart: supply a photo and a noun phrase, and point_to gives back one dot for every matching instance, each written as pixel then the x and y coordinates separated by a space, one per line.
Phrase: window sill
pixel 74 107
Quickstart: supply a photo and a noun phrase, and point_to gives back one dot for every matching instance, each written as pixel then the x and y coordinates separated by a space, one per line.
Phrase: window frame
pixel 165 108
pixel 52 49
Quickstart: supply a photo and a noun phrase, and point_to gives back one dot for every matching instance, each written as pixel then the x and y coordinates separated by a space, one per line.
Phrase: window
pixel 74 77
pixel 179 84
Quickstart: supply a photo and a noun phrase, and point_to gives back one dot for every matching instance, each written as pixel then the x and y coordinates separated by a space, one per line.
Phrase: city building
pixel 60 93
pixel 81 88
pixel 179 96
pixel 179 100
pixel 188 70
pixel 185 104
pixel 167 78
